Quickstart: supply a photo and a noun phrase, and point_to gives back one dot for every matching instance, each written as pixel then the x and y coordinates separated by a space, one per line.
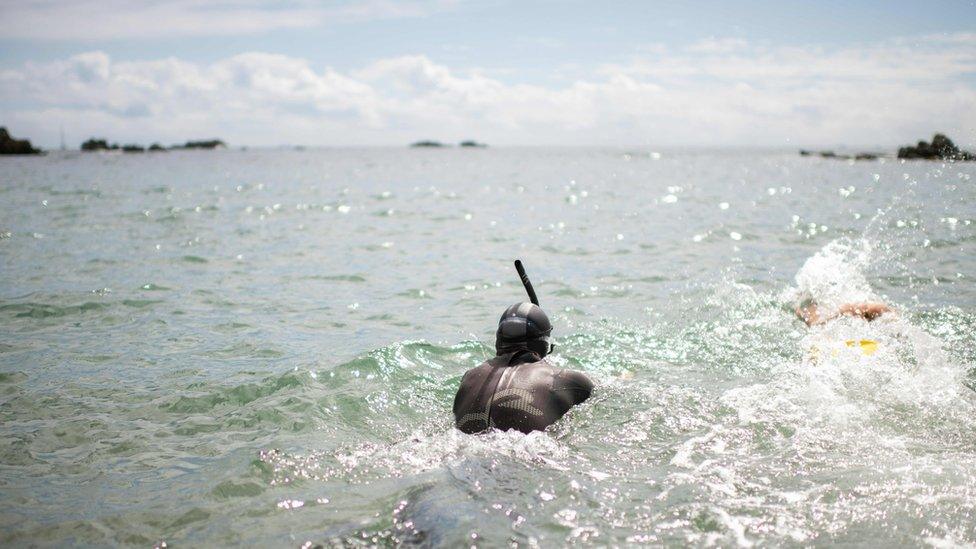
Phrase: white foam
pixel 835 275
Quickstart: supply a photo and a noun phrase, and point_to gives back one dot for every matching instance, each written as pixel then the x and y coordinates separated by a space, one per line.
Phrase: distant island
pixel 9 145
pixel 832 154
pixel 98 145
pixel 207 144
pixel 93 145
pixel 941 148
pixel 437 144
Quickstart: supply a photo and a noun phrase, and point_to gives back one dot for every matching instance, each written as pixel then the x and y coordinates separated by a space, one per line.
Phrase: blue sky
pixel 379 73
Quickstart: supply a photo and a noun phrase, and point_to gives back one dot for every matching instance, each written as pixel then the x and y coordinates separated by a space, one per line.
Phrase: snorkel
pixel 525 281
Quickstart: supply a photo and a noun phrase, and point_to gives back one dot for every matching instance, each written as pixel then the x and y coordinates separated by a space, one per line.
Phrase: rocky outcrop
pixel 103 145
pixel 941 148
pixel 205 144
pixel 832 154
pixel 428 143
pixel 9 145
pixel 98 145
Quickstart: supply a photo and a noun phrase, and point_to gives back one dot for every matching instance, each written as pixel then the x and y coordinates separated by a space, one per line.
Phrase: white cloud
pixel 94 20
pixel 718 45
pixel 932 58
pixel 730 94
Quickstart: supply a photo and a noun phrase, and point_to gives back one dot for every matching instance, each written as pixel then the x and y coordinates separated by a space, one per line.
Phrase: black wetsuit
pixel 517 391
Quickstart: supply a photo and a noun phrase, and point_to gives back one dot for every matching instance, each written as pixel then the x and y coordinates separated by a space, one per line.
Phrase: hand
pixel 868 310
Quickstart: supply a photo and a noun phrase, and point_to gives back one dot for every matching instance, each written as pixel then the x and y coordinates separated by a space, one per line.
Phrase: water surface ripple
pixel 262 347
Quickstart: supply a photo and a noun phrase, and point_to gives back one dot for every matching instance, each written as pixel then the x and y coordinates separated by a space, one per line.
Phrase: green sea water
pixel 217 348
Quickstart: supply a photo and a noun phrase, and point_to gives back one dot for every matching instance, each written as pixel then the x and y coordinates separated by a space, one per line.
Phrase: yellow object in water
pixel 868 346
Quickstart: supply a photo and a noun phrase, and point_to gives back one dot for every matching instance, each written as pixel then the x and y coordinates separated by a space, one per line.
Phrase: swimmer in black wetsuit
pixel 518 389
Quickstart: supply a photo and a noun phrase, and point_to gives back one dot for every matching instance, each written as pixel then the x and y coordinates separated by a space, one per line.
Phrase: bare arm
pixel 868 310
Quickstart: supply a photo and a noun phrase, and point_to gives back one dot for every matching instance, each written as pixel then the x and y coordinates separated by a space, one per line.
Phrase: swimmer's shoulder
pixel 484 366
pixel 562 377
pixel 573 383
pixel 472 379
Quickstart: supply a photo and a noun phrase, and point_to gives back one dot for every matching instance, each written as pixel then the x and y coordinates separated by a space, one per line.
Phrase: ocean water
pixel 262 347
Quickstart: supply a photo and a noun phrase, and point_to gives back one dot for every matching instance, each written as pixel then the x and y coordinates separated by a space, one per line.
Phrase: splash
pixel 835 275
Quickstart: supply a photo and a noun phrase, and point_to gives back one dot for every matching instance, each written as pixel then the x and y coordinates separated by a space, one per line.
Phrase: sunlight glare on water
pixel 262 348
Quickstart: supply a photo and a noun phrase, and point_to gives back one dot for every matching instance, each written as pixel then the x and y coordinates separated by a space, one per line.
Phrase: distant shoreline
pixel 941 148
pixel 95 145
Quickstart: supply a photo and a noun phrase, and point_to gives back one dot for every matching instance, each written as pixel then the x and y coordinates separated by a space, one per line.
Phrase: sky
pixel 781 74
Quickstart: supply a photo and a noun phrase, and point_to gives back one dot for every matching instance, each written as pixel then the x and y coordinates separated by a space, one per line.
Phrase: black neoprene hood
pixel 523 326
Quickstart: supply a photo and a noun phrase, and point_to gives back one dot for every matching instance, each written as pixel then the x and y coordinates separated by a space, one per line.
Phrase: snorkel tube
pixel 525 282
pixel 535 317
